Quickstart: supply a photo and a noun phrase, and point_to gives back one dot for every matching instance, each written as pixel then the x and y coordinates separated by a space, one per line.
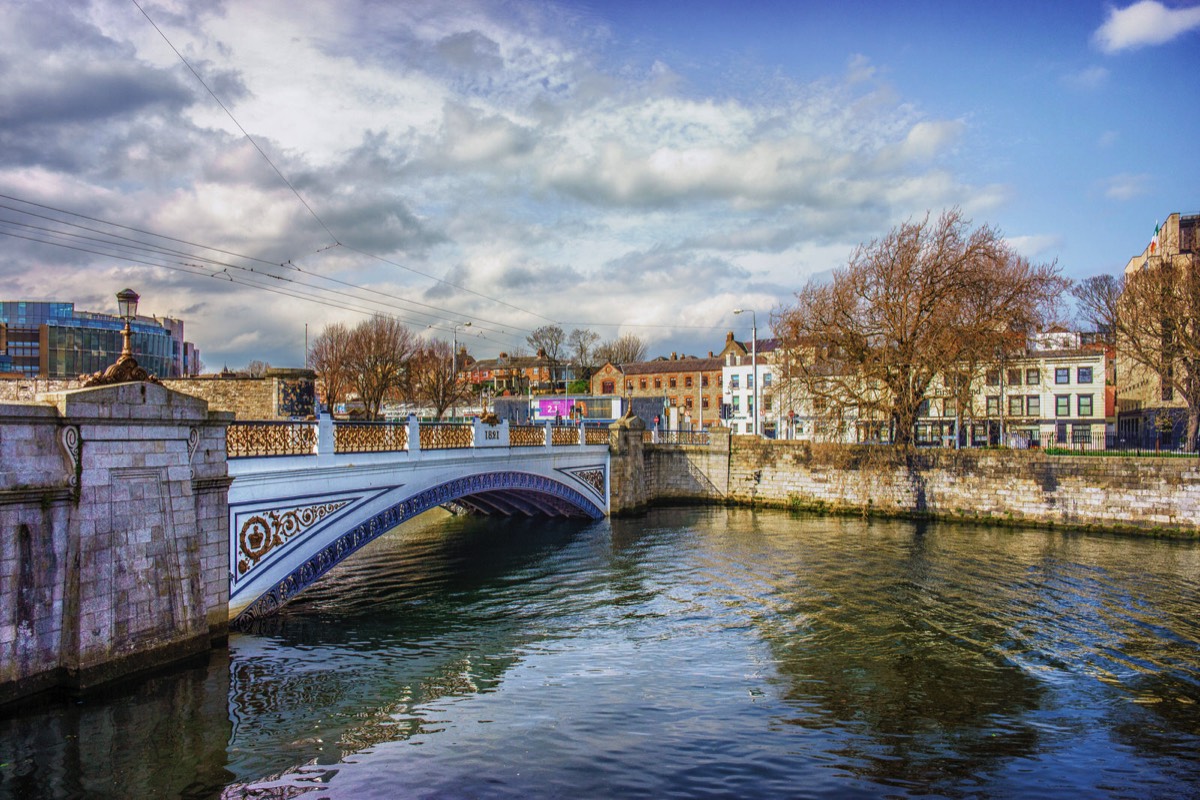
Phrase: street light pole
pixel 454 370
pixel 753 362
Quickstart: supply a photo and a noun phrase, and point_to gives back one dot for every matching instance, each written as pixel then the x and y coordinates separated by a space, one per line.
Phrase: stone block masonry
pixel 113 535
pixel 1160 495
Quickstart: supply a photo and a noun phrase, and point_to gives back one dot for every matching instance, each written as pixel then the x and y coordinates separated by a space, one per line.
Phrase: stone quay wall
pixel 1146 494
pixel 113 535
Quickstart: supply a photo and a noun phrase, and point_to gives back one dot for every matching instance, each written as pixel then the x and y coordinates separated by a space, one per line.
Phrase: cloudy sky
pixel 630 166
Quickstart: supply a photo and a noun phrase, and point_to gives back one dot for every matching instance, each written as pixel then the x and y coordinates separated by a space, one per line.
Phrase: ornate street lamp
pixel 126 370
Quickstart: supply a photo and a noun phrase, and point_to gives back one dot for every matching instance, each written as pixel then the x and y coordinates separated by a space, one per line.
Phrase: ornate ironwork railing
pixel 564 435
pixel 270 438
pixel 526 436
pixel 369 437
pixel 597 435
pixel 446 436
pixel 675 437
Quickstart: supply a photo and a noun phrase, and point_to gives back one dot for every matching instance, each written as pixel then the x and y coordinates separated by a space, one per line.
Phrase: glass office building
pixel 53 340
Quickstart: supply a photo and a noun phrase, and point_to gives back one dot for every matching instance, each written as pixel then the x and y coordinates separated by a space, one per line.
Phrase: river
pixel 693 652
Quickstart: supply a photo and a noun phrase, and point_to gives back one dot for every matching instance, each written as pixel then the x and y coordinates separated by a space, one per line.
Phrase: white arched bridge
pixel 305 495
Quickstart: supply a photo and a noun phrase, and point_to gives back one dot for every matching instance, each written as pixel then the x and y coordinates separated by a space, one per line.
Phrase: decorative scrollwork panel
pixel 446 436
pixel 248 439
pixel 526 436
pixel 369 437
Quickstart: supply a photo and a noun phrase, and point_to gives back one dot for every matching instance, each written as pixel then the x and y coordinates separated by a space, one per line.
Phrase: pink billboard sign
pixel 548 409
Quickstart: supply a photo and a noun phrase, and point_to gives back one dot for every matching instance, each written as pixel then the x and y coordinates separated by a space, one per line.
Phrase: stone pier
pixel 113 535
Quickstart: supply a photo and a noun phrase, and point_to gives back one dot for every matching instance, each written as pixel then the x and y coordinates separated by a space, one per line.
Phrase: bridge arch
pixel 505 492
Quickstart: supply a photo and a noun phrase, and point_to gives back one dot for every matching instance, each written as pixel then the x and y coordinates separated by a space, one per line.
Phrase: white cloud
pixel 492 146
pixel 1144 23
pixel 1126 186
pixel 1033 246
pixel 1088 79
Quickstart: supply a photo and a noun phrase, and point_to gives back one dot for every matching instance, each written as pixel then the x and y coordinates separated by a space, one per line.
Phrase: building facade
pixel 688 389
pixel 53 340
pixel 1147 405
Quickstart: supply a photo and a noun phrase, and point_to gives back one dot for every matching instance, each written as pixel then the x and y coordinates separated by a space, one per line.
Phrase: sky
pixel 263 169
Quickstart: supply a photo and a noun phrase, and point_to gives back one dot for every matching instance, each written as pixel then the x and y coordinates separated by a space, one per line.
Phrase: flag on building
pixel 1154 241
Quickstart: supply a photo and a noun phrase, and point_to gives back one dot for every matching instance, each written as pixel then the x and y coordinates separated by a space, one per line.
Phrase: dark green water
pixel 689 653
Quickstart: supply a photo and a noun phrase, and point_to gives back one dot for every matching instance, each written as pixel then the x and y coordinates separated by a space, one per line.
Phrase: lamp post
pixel 454 370
pixel 126 368
pixel 753 361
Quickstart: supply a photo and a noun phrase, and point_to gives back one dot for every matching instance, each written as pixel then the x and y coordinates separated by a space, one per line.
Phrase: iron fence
pixel 270 438
pixel 369 437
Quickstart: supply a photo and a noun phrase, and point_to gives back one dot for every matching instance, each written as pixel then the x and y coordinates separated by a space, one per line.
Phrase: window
pixel 1062 375
pixel 750 381
pixel 1033 405
pixel 1083 375
pixel 733 381
pixel 608 387
pixel 1014 377
pixel 642 383
pixel 688 402
pixel 923 409
pixel 658 383
pixel 949 407
pixel 1016 406
pixel 629 386
pixel 674 382
pixel 704 402
pixel 704 381
pixel 1081 434
pixel 1032 376
pixel 1062 405
pixel 766 403
pixel 1084 404
pixel 736 404
pixel 993 406
pixel 766 379
pixel 993 377
pixel 687 382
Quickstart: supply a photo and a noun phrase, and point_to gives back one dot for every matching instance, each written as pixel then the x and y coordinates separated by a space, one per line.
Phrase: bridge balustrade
pixel 270 438
pixel 369 437
pixel 564 435
pixel 446 436
pixel 526 436
pixel 251 439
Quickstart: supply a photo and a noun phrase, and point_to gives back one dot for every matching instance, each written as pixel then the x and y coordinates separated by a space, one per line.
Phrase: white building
pixel 739 382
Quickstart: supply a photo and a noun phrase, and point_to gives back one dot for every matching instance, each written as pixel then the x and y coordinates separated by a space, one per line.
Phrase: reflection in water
pixel 692 652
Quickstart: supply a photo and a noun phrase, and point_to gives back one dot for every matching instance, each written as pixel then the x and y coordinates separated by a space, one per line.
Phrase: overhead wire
pixel 336 241
pixel 140 245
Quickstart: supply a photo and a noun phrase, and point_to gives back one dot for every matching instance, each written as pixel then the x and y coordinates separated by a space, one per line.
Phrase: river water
pixel 693 652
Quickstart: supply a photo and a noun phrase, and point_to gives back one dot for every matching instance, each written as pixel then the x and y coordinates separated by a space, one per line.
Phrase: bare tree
pixel 1096 301
pixel 1158 329
pixel 328 356
pixel 257 369
pixel 627 349
pixel 377 358
pixel 549 340
pixel 925 301
pixel 580 344
pixel 432 378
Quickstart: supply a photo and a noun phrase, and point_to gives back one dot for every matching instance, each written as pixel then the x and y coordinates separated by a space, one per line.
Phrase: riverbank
pixel 1143 495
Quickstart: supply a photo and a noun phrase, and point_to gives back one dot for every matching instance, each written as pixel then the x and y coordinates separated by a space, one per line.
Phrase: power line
pixel 140 246
pixel 229 113
pixel 336 241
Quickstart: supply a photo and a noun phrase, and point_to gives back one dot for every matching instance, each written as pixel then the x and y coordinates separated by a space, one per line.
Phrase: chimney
pixel 710 354
pixel 674 356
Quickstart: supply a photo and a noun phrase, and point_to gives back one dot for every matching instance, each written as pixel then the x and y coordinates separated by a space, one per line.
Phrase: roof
pixel 661 366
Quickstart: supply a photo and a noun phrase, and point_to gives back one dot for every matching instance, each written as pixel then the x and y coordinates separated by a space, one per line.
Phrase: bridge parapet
pixel 270 438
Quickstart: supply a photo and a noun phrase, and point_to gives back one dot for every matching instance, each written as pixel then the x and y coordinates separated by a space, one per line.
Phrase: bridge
pixel 306 495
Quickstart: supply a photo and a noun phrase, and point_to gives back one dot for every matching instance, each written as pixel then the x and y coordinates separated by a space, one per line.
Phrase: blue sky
pixel 638 167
